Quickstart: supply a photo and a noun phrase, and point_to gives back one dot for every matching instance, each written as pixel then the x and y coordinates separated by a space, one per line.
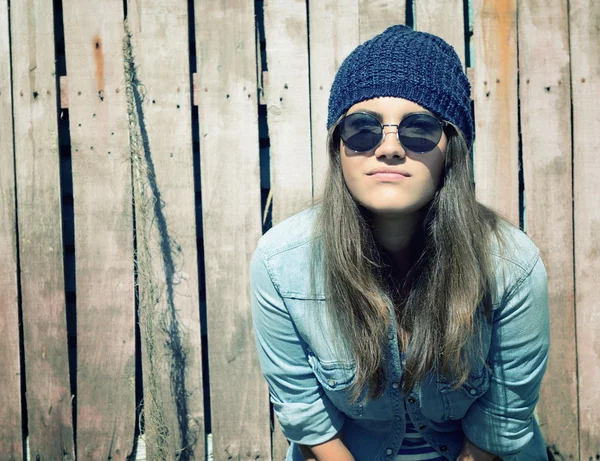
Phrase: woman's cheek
pixel 352 179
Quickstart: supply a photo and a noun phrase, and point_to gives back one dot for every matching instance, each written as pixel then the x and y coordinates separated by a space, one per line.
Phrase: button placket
pixel 418 422
pixel 395 372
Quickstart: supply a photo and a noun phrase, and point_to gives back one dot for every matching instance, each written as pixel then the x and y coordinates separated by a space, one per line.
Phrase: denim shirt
pixel 309 378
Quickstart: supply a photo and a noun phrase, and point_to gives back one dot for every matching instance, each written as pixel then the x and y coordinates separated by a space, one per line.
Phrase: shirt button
pixel 391 336
pixel 443 448
pixel 389 451
pixel 331 383
pixel 473 391
pixel 411 400
pixel 395 385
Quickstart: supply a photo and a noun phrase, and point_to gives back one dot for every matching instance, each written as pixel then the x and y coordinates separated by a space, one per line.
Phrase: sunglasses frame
pixel 443 125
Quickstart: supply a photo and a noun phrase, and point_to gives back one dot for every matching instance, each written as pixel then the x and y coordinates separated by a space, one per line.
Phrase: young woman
pixel 400 319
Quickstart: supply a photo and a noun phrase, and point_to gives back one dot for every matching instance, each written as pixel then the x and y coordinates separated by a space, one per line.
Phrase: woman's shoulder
pixel 514 257
pixel 511 246
pixel 287 250
pixel 291 233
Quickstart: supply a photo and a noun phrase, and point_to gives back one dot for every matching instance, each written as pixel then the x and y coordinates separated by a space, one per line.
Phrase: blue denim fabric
pixel 309 373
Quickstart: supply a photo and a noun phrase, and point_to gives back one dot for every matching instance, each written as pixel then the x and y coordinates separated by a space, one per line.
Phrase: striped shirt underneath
pixel 415 448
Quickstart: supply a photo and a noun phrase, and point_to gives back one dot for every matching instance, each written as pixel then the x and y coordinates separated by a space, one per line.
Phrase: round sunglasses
pixel 419 133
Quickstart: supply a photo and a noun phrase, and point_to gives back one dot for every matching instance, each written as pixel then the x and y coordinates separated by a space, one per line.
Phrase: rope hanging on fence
pixel 152 412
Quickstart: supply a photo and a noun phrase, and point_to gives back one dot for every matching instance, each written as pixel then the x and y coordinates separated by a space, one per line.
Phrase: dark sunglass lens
pixel 360 132
pixel 420 133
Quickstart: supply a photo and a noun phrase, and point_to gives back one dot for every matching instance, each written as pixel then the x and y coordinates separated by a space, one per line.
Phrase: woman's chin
pixel 392 210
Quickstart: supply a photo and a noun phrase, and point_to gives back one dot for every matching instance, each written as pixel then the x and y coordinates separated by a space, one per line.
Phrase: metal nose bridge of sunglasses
pixel 385 133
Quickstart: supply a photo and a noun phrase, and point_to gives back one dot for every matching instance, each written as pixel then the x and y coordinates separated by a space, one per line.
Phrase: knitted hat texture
pixel 408 64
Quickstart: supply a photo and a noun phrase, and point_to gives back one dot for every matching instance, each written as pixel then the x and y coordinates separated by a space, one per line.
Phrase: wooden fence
pixel 138 159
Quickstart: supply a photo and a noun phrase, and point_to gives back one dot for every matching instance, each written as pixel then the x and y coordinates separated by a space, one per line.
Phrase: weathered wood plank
pixel 103 229
pixel 231 210
pixel 445 19
pixel 288 111
pixel 49 409
pixel 546 140
pixel 11 437
pixel 374 16
pixel 496 151
pixel 334 33
pixel 163 175
pixel 287 97
pixel 585 73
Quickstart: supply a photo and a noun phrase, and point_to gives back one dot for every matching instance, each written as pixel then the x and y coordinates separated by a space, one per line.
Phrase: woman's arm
pixel 306 414
pixel 471 452
pixel 332 450
pixel 502 420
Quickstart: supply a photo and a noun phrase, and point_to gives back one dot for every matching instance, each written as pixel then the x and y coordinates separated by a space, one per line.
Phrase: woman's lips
pixel 388 174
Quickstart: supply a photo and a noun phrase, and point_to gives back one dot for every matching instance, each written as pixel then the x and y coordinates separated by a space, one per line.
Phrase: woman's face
pixel 389 180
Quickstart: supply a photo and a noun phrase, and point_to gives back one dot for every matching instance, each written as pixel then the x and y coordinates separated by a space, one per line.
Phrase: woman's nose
pixel 390 146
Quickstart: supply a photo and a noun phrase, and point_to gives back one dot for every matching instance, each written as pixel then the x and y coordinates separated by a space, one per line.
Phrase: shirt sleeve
pixel 501 421
pixel 305 413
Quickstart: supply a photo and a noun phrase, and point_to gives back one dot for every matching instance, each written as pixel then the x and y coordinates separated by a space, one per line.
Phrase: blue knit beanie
pixel 407 64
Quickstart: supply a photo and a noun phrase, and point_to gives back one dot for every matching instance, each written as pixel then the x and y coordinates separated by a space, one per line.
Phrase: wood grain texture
pixel 287 97
pixel 288 113
pixel 280 444
pixel 546 140
pixel 35 98
pixel 11 437
pixel 334 33
pixel 231 210
pixel 374 16
pixel 172 364
pixel 585 74
pixel 496 151
pixel 445 19
pixel 103 229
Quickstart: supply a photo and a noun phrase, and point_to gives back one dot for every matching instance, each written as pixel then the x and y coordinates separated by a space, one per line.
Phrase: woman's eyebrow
pixel 421 111
pixel 379 116
pixel 372 112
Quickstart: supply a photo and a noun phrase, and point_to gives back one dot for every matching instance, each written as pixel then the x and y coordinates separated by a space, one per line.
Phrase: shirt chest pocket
pixel 440 401
pixel 336 379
